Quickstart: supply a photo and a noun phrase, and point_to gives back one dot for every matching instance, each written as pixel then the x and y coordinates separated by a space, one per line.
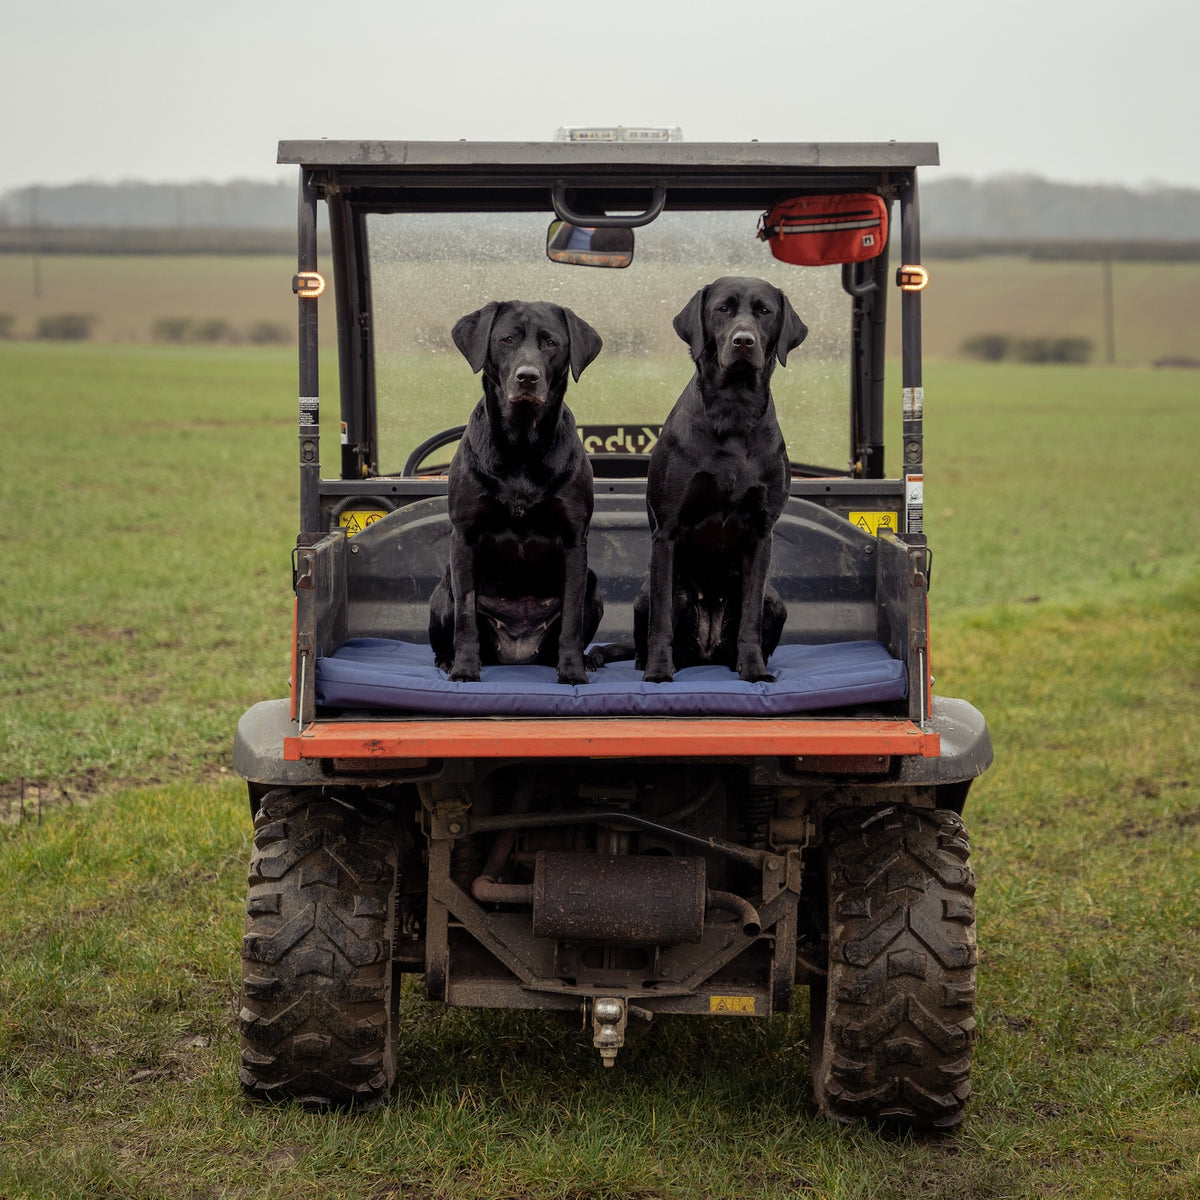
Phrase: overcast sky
pixel 1099 92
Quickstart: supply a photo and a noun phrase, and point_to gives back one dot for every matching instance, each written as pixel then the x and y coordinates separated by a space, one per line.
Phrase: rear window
pixel 428 270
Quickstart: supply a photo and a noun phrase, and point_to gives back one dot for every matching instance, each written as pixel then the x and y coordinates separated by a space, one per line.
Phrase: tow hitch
pixel 610 1016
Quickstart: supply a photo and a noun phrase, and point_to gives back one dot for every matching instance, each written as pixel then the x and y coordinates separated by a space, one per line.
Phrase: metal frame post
pixel 913 454
pixel 310 404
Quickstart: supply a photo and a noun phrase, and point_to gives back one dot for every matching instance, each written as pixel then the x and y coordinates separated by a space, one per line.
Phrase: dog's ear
pixel 585 343
pixel 792 332
pixel 472 333
pixel 689 324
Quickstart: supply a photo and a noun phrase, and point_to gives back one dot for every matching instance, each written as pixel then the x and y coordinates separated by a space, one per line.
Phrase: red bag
pixel 815 231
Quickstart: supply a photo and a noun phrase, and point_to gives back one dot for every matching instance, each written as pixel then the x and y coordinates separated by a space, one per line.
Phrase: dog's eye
pixel 722 308
pixel 507 339
pixel 550 342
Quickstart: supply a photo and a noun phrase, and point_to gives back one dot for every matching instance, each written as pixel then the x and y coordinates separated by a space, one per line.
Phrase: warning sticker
pixel 914 503
pixel 731 1004
pixel 355 520
pixel 873 522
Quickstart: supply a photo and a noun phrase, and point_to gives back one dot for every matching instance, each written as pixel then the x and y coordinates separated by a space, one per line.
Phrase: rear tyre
pixel 893 1025
pixel 318 1017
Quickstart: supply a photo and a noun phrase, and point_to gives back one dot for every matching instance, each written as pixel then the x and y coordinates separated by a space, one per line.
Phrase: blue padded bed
pixel 382 673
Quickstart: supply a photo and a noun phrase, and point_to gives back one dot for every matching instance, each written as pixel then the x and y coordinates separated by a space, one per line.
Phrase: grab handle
pixel 558 196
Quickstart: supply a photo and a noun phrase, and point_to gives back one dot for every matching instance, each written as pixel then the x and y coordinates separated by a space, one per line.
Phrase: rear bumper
pixel 616 737
pixel 269 748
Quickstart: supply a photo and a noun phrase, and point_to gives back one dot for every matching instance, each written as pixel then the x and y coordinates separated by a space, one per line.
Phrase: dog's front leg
pixel 570 637
pixel 756 567
pixel 465 668
pixel 660 651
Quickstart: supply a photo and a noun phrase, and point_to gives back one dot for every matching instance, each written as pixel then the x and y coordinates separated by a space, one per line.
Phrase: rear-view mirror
pixel 587 246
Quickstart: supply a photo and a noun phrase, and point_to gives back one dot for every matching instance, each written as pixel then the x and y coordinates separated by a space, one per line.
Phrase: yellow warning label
pixel 731 1004
pixel 355 520
pixel 873 522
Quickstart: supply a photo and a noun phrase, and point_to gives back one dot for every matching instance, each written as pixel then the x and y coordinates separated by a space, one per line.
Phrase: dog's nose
pixel 528 376
pixel 744 339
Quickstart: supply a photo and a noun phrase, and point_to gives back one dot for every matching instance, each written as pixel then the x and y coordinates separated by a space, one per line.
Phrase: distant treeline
pixel 959 217
pixel 1064 249
pixel 238 205
pixel 1025 208
pixel 80 239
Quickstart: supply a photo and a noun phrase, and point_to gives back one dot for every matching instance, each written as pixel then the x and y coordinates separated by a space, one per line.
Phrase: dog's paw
pixel 572 672
pixel 659 668
pixel 464 671
pixel 602 655
pixel 756 676
pixel 752 669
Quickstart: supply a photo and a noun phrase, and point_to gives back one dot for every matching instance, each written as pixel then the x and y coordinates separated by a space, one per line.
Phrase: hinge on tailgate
pixel 302 569
pixel 922 570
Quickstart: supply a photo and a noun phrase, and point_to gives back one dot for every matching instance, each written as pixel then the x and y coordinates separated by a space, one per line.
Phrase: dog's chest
pixel 726 502
pixel 520 502
pixel 720 533
pixel 519 526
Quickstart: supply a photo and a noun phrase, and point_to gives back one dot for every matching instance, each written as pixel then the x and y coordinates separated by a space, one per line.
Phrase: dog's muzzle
pixel 526 385
pixel 742 348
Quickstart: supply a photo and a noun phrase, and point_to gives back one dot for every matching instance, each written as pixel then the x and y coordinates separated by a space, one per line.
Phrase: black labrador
pixel 718 480
pixel 517 588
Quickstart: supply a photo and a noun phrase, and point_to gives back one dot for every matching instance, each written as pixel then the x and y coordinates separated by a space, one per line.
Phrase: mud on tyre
pixel 318 1015
pixel 893 1025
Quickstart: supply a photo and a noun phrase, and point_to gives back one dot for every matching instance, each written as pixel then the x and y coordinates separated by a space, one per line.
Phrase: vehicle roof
pixel 603 176
pixel 833 156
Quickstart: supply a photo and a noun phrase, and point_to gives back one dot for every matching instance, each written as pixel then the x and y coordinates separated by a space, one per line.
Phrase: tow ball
pixel 610 1016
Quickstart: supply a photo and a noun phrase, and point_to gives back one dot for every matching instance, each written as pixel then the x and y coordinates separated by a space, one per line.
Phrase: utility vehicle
pixel 622 851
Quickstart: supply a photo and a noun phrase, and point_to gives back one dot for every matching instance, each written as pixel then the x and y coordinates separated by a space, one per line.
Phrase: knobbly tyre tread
pixel 318 1019
pixel 893 1025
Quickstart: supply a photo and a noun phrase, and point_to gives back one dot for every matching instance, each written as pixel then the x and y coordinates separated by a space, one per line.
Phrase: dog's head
pixel 525 350
pixel 742 324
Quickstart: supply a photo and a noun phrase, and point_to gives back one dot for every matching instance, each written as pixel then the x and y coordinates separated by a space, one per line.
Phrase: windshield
pixel 427 270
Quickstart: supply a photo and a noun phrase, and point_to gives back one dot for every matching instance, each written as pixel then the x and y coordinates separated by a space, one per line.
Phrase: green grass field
pixel 151 496
pixel 128 293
